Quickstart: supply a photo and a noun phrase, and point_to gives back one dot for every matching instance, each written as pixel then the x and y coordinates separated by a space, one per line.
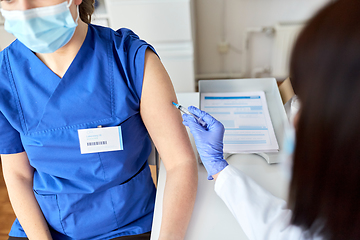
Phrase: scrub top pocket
pixel 130 199
pixel 102 211
pixel 49 203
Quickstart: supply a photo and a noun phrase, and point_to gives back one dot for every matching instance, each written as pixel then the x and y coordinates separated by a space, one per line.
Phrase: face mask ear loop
pixel 77 10
pixel 69 3
pixel 78 14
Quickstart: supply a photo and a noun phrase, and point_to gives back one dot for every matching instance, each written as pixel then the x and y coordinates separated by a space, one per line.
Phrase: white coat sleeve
pixel 260 214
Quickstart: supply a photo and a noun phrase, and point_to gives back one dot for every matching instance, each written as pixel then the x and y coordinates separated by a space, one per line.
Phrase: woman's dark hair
pixel 86 9
pixel 325 73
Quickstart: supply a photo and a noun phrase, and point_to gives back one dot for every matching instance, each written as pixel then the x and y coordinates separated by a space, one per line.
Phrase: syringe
pixel 185 111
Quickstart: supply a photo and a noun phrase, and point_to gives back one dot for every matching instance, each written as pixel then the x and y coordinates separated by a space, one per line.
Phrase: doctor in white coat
pixel 324 195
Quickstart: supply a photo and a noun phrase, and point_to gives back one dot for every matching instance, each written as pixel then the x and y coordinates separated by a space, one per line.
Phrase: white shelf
pixel 100 11
pixel 166 25
pixel 100 16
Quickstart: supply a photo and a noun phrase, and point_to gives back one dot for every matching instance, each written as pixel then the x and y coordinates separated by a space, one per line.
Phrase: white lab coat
pixel 261 215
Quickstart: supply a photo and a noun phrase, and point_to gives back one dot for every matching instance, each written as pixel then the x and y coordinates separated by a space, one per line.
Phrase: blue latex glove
pixel 208 140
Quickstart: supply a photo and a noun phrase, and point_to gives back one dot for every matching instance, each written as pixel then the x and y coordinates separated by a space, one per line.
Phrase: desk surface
pixel 211 220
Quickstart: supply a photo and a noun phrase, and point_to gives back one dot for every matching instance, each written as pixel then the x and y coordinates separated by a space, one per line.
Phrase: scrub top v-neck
pixel 44 87
pixel 83 196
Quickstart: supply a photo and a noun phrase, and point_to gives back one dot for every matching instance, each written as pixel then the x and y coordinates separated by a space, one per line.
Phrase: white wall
pixel 227 20
pixel 5 37
pixel 218 20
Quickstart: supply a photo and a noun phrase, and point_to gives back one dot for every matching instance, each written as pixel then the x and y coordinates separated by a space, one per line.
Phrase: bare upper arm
pixel 16 165
pixel 162 119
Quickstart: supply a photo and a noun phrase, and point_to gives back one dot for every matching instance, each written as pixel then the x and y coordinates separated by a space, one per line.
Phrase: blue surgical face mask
pixel 44 29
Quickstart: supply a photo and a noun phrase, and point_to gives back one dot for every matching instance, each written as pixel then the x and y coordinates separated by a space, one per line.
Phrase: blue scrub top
pixel 83 196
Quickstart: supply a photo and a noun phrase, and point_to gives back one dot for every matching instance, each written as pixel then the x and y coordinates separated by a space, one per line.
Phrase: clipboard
pixel 270 88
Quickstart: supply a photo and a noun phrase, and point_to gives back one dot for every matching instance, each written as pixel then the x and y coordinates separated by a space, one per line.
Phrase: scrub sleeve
pixel 9 138
pixel 41 114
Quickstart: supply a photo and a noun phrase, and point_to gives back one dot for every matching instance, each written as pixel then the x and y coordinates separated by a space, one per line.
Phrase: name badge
pixel 100 139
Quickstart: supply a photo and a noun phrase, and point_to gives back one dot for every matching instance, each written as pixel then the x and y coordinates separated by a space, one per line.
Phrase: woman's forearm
pixel 27 210
pixel 18 175
pixel 178 203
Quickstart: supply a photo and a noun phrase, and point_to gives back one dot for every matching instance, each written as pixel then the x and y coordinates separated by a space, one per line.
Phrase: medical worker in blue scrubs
pixel 78 105
pixel 322 146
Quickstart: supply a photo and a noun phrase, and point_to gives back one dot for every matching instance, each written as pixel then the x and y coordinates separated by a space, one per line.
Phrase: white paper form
pixel 246 119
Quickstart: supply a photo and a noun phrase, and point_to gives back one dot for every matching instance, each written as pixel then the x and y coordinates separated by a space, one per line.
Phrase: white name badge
pixel 100 139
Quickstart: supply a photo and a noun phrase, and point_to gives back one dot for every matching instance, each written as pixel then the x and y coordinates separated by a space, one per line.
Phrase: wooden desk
pixel 211 220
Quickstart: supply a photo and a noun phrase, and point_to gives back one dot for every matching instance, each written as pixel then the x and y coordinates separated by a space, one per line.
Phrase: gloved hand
pixel 208 140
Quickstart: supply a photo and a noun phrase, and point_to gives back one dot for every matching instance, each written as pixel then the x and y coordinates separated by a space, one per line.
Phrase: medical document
pixel 246 119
